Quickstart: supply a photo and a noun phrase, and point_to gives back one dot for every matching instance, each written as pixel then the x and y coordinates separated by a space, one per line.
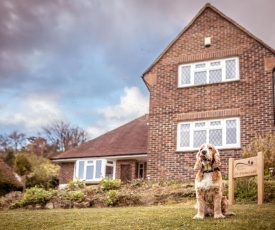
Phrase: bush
pixel 33 196
pixel 108 184
pixel 9 158
pixel 246 189
pixel 44 173
pixel 111 198
pixel 266 145
pixel 75 185
pixel 39 171
pixel 74 195
pixel 22 165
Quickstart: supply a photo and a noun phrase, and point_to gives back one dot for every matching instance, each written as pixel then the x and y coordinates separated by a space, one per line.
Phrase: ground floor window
pixel 110 169
pixel 93 170
pixel 223 133
pixel 141 170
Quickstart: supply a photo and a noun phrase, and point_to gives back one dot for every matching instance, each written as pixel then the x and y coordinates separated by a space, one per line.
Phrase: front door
pixel 125 173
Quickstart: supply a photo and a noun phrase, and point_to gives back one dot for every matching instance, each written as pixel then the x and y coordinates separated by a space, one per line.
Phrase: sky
pixel 81 61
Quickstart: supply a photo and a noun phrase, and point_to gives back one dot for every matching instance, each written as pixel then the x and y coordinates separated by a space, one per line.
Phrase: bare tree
pixel 40 147
pixel 17 139
pixel 5 142
pixel 64 135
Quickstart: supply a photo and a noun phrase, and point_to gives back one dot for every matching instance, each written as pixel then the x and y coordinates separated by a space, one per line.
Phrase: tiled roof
pixel 129 139
pixel 208 5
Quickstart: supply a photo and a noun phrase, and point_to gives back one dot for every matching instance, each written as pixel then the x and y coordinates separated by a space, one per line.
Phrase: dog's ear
pixel 198 164
pixel 217 160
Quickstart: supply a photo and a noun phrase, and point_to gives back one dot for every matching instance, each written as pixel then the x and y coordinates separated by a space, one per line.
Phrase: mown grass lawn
pixel 153 217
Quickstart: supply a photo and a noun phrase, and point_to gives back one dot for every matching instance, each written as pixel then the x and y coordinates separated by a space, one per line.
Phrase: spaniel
pixel 208 184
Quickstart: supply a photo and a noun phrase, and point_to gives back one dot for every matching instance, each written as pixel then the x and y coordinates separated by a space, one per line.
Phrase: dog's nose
pixel 203 152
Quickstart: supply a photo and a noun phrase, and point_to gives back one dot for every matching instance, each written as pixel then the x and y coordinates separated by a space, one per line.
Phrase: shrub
pixel 9 158
pixel 108 184
pixel 44 173
pixel 34 195
pixel 266 145
pixel 22 165
pixel 75 185
pixel 74 195
pixel 111 198
pixel 246 189
pixel 90 190
pixel 269 190
pixel 39 171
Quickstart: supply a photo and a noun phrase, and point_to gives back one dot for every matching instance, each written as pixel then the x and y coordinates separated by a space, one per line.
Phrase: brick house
pixel 120 153
pixel 213 83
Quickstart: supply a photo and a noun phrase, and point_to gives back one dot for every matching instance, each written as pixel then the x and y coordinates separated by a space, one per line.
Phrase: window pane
pixel 215 137
pixel 215 123
pixel 201 65
pixel 230 69
pixel 185 75
pixel 141 170
pixel 216 63
pixel 109 171
pixel 98 169
pixel 231 132
pixel 81 169
pixel 199 124
pixel 185 135
pixel 200 78
pixel 199 138
pixel 90 172
pixel 215 75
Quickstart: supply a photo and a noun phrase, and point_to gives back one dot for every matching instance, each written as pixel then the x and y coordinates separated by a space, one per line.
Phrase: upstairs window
pixel 223 133
pixel 201 73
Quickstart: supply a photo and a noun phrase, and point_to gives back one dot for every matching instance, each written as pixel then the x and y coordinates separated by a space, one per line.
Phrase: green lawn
pixel 154 217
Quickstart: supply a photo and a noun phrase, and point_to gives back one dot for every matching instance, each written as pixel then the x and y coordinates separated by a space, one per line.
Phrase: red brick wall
pixel 66 172
pixel 251 97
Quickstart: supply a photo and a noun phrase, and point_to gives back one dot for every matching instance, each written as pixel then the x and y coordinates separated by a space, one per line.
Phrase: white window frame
pixel 110 165
pixel 88 162
pixel 207 128
pixel 207 68
pixel 141 170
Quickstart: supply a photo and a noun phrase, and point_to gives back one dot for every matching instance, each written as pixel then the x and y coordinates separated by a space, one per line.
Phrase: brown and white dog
pixel 208 184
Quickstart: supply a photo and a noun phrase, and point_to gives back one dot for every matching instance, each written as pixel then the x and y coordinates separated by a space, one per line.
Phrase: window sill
pixel 209 84
pixel 196 150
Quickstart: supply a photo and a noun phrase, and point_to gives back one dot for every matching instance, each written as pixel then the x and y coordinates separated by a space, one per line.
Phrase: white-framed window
pixel 141 170
pixel 222 133
pixel 93 170
pixel 200 73
pixel 110 169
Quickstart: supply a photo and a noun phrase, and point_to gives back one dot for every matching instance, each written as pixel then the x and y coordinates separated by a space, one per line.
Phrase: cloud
pixel 132 104
pixel 31 113
pixel 89 52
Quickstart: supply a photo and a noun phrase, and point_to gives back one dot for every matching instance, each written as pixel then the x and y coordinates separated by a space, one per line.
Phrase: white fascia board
pixel 122 157
pixel 65 160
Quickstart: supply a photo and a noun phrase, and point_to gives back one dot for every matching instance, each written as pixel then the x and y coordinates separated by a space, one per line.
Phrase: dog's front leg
pixel 201 207
pixel 217 204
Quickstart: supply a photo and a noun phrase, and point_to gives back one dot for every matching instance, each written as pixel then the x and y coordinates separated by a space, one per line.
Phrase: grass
pixel 153 217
